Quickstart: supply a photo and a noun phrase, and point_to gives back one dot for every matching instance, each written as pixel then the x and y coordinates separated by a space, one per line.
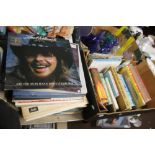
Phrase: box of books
pixel 117 85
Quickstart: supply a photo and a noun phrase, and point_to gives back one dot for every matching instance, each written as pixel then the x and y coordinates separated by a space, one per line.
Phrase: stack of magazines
pixel 45 75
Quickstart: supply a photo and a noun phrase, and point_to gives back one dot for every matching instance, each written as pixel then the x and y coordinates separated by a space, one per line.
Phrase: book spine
pixel 140 83
pixel 115 105
pixel 112 83
pixel 133 93
pixel 127 91
pixel 100 91
pixel 122 99
pixel 106 89
pixel 126 72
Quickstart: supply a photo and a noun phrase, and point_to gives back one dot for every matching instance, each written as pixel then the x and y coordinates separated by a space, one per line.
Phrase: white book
pixel 115 104
pixel 106 89
pixel 101 64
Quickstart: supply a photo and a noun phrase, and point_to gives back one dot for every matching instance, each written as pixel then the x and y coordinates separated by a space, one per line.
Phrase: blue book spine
pixel 111 81
pixel 127 90
pixel 32 94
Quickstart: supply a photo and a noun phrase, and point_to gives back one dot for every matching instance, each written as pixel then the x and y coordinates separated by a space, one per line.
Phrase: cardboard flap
pixel 149 81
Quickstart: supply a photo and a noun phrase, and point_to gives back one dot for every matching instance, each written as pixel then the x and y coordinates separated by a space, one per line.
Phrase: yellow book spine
pixel 127 73
pixel 123 103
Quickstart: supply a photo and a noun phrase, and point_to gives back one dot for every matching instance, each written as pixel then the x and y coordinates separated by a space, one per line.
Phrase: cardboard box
pixel 92 111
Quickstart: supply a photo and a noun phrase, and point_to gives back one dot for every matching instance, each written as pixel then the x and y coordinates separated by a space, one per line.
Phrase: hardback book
pixel 112 103
pixel 102 63
pixel 99 88
pixel 41 63
pixel 121 99
pixel 138 95
pixel 127 91
pixel 113 99
pixel 132 90
pixel 106 89
pixel 108 74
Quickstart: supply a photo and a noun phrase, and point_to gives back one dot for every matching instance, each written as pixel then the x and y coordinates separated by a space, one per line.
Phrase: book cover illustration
pixel 39 62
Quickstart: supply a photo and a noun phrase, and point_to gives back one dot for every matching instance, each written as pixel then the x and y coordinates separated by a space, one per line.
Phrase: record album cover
pixel 39 62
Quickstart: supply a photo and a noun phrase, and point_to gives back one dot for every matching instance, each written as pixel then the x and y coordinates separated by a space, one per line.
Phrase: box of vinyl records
pixel 44 75
pixel 117 85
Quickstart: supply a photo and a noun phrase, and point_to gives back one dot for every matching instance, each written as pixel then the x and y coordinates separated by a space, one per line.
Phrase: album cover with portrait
pixel 41 63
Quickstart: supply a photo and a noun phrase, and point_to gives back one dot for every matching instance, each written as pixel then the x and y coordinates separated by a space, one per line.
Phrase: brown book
pixel 99 88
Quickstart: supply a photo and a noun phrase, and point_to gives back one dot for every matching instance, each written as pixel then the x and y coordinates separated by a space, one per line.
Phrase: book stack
pixel 45 75
pixel 120 89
